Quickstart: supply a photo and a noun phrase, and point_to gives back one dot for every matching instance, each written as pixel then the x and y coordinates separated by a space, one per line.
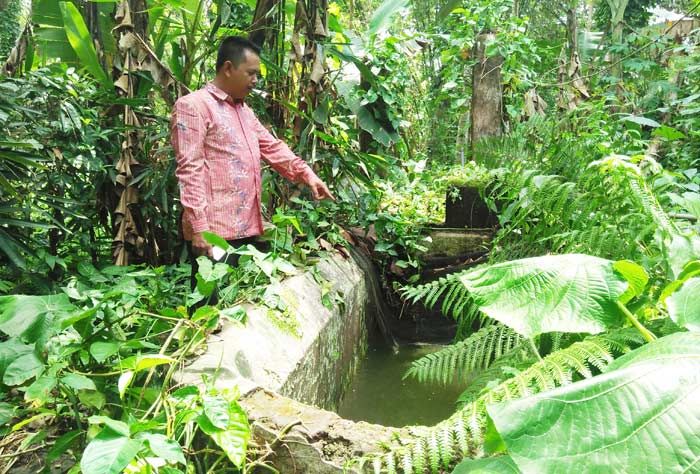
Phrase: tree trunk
pixel 15 60
pixel 312 17
pixel 617 15
pixel 572 30
pixel 487 92
pixel 572 89
pixel 129 242
pixel 263 28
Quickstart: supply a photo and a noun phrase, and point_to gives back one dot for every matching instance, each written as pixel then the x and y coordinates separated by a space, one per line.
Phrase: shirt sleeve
pixel 280 157
pixel 188 131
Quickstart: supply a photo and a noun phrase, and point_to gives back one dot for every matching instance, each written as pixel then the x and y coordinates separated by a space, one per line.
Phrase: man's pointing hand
pixel 320 190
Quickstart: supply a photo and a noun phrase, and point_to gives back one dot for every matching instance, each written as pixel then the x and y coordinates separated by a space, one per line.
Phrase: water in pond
pixel 379 395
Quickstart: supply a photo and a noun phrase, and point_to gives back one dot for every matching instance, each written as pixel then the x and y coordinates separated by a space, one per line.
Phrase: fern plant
pixel 574 294
pixel 476 353
pixel 552 197
pixel 456 300
pixel 462 434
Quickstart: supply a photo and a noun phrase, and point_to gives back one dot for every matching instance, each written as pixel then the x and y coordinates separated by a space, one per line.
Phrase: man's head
pixel 237 66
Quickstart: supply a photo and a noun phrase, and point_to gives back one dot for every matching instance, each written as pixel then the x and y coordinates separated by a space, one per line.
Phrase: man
pixel 218 143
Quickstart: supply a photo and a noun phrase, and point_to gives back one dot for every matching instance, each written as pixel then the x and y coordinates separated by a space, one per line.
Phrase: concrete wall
pixel 308 440
pixel 310 352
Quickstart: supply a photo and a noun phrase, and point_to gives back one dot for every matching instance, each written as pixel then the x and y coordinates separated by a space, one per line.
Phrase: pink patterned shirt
pixel 218 144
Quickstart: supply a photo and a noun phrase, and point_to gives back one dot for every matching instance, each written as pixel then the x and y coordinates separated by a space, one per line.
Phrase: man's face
pixel 241 80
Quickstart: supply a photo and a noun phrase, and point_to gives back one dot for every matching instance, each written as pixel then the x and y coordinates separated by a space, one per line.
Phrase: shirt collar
pixel 219 94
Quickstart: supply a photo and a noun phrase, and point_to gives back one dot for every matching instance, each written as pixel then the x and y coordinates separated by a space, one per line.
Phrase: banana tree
pixel 617 10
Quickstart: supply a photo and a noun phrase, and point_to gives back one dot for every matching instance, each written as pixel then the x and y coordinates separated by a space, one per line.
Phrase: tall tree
pixel 487 91
pixel 132 20
pixel 617 11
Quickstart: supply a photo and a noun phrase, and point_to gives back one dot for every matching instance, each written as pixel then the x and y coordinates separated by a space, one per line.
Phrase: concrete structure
pixel 293 365
pixel 307 352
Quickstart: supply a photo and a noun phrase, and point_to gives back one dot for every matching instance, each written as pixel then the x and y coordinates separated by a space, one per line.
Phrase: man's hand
pixel 320 190
pixel 201 246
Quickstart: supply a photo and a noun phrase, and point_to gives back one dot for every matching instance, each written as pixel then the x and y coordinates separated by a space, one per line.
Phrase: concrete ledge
pixel 457 242
pixel 306 440
pixel 308 352
pixel 288 373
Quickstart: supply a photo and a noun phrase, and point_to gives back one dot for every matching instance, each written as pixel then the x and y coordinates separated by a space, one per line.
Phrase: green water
pixel 379 395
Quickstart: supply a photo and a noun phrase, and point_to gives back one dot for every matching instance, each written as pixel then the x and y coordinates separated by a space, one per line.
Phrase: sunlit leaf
pixel 647 122
pixel 163 447
pixel 79 38
pixel 234 439
pixel 109 453
pixel 383 14
pixel 642 415
pixel 216 409
pixel 563 293
pixel 492 465
pixel 684 305
pixel 124 382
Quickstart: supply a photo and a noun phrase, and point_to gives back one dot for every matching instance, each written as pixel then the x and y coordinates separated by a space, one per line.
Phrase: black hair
pixel 233 49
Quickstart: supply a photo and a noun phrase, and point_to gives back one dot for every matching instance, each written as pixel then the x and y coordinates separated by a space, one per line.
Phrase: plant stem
pixel 19 453
pixel 534 348
pixel 648 335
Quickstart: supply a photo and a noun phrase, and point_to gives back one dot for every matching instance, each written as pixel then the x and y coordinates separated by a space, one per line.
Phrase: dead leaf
pixel 325 245
pixel 396 270
pixel 343 251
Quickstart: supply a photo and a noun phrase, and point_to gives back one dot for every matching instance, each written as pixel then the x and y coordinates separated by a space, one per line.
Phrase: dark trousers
pixel 231 259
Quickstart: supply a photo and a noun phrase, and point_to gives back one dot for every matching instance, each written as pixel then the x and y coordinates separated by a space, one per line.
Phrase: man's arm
pixel 188 131
pixel 285 162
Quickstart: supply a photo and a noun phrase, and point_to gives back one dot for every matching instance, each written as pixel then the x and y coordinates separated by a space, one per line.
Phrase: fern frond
pixel 390 464
pixel 463 432
pixel 446 447
pixel 418 452
pixel 502 369
pixel 456 301
pixel 475 353
pixel 651 205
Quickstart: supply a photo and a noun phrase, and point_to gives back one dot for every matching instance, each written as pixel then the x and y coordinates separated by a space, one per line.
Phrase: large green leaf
pixel 563 293
pixel 366 119
pixel 109 453
pixel 684 305
pixel 11 350
pixel 494 465
pixel 681 344
pixel 46 12
pixel 33 318
pixel 49 34
pixel 233 440
pixel 642 415
pixel 102 350
pixel 79 38
pixel 382 15
pixel 163 447
pixel 22 369
pixel 217 410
